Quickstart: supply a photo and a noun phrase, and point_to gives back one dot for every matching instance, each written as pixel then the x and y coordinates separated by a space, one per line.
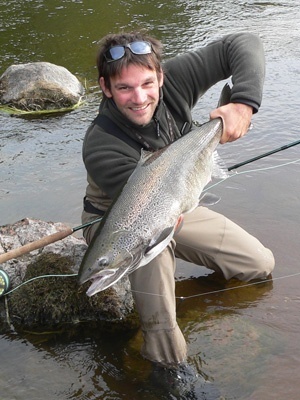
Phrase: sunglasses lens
pixel 115 53
pixel 140 47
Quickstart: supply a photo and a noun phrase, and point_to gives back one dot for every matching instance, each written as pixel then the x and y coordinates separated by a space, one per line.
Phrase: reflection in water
pixel 86 359
pixel 242 338
pixel 212 292
pixel 221 333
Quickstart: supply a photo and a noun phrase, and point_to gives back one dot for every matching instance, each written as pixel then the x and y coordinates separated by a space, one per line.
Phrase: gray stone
pixel 39 86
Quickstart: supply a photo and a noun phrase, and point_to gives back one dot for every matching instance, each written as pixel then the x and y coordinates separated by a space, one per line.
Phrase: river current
pixel 245 339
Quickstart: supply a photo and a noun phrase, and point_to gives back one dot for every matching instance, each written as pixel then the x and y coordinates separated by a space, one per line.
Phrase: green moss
pixel 49 303
pixel 39 112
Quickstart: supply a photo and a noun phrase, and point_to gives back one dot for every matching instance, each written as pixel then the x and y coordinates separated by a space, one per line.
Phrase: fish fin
pixel 159 243
pixel 145 155
pixel 219 168
pixel 225 96
pixel 209 199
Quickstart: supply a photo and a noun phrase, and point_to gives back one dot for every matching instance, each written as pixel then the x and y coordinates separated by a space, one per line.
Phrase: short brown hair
pixel 112 69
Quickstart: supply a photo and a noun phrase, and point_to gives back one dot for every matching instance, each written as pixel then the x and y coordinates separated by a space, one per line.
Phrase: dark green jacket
pixel 110 161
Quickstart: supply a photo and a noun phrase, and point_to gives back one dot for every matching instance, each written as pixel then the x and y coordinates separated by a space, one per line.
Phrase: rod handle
pixel 37 244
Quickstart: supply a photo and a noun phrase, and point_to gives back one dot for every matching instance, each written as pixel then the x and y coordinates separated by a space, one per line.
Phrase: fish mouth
pixel 104 279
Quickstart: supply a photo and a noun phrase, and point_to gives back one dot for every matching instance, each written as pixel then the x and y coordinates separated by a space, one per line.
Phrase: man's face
pixel 135 92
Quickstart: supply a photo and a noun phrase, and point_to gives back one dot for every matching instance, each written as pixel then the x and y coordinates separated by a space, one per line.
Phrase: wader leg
pixel 163 340
pixel 210 239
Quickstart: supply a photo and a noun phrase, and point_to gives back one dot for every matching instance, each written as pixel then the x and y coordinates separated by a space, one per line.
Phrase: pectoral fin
pixel 160 242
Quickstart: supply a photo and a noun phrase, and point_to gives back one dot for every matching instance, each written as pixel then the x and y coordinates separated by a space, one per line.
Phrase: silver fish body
pixel 141 222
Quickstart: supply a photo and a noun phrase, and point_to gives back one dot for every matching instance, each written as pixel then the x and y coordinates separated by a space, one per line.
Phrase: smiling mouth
pixel 139 108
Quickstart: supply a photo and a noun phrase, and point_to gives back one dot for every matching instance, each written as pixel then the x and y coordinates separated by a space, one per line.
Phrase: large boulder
pixel 48 302
pixel 39 86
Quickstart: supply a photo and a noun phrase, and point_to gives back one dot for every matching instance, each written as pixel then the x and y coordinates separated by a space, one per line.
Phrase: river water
pixel 245 339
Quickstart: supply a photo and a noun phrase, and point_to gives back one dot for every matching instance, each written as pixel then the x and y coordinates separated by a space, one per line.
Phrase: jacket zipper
pixel 159 133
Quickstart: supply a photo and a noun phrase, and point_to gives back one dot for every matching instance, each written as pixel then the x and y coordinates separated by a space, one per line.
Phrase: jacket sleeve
pixel 108 160
pixel 239 56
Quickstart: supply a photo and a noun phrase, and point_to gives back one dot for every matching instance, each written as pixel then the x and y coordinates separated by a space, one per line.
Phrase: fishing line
pixel 251 170
pixel 192 296
pixel 162 295
pixel 38 277
pixel 221 290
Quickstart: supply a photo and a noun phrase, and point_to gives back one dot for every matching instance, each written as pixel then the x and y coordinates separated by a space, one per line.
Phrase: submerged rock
pixel 39 86
pixel 49 302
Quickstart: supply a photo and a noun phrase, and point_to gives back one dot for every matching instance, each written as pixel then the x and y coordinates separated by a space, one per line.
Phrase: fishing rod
pixel 37 244
pixel 27 248
pixel 287 146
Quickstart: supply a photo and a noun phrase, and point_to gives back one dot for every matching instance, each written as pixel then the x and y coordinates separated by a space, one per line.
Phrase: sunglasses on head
pixel 117 52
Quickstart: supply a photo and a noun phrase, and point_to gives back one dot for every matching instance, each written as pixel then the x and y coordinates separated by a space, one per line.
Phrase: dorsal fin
pixel 225 96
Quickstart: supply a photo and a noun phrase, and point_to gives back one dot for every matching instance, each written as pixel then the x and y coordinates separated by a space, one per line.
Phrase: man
pixel 148 106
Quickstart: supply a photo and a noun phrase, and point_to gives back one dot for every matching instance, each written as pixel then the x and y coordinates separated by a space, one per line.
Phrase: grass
pixel 16 111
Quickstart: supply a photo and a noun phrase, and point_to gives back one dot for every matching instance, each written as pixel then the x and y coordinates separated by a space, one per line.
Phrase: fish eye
pixel 103 262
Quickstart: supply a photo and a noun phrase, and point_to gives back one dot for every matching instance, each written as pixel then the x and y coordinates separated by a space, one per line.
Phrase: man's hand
pixel 236 120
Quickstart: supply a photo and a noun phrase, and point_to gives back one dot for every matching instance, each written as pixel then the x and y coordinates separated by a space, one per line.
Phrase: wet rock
pixel 39 86
pixel 182 382
pixel 49 302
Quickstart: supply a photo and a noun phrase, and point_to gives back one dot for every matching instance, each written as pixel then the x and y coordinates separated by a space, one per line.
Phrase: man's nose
pixel 140 96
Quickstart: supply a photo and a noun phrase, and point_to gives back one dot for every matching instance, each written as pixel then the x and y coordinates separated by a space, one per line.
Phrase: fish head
pixel 107 271
pixel 107 261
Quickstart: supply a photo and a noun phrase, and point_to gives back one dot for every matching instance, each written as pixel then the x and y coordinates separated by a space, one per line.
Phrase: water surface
pixel 244 339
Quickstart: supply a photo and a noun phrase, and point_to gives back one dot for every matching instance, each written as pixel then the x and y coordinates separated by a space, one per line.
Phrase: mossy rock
pixel 54 301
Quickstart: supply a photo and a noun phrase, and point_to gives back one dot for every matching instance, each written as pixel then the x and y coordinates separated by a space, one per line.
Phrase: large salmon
pixel 142 220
